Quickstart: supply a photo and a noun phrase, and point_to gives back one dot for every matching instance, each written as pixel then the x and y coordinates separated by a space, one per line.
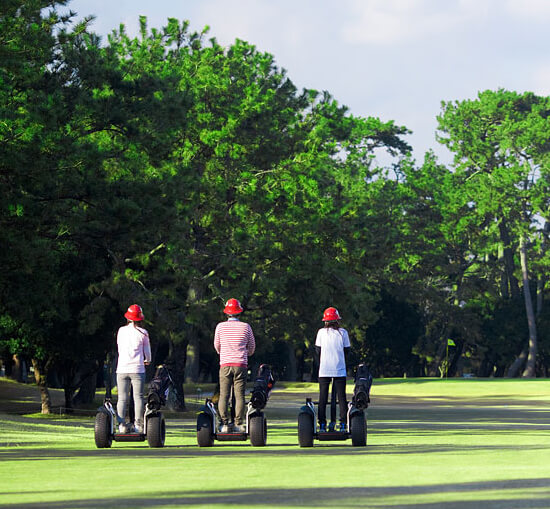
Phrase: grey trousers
pixel 125 382
pixel 232 376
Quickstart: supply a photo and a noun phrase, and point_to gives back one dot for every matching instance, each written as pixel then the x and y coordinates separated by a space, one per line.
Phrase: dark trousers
pixel 232 376
pixel 340 385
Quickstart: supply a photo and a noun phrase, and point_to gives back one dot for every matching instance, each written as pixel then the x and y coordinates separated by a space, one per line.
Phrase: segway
pixel 356 417
pixel 209 430
pixel 154 427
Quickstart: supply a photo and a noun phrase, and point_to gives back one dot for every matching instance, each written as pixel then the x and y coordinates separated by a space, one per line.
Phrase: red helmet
pixel 331 315
pixel 233 307
pixel 134 313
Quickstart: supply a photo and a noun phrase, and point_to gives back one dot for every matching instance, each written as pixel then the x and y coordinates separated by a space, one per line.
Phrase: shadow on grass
pixel 281 437
pixel 247 451
pixel 389 497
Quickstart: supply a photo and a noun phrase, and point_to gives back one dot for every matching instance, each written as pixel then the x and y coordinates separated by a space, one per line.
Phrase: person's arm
pixel 217 339
pixel 146 349
pixel 346 354
pixel 318 341
pixel 347 346
pixel 251 342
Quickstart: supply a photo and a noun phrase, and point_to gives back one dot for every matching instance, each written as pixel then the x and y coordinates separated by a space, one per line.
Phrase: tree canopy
pixel 168 170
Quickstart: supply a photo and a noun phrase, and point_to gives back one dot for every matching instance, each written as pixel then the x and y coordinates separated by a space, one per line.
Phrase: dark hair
pixel 333 325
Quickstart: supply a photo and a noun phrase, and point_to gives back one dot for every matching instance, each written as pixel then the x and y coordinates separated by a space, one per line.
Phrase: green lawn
pixel 431 444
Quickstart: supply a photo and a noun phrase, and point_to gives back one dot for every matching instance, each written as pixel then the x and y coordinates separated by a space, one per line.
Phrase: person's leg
pixel 138 383
pixel 340 384
pixel 333 400
pixel 239 385
pixel 324 383
pixel 225 389
pixel 123 388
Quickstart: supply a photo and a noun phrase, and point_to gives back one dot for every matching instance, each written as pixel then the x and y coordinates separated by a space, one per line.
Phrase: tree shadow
pixel 351 497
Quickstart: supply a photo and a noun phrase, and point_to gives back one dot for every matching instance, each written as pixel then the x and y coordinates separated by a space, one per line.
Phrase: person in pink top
pixel 234 341
pixel 134 353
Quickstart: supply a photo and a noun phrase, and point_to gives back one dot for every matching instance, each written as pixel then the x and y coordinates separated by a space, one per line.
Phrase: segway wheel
pixel 156 430
pixel 102 430
pixel 358 430
pixel 305 430
pixel 258 430
pixel 205 433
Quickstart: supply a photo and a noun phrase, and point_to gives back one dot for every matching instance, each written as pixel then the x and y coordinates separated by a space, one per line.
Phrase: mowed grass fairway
pixel 431 444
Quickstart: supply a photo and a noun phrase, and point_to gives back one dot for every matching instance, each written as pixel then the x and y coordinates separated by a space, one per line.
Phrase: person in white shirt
pixel 332 344
pixel 134 353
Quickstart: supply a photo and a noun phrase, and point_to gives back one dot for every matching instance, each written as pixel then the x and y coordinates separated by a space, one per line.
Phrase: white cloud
pixel 393 22
pixel 395 59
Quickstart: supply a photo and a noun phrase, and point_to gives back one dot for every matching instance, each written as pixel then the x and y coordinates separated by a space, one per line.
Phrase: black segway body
pixel 356 417
pixel 154 428
pixel 308 430
pixel 105 429
pixel 208 429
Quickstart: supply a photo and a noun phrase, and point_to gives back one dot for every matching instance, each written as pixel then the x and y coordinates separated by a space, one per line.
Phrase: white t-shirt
pixel 133 349
pixel 332 343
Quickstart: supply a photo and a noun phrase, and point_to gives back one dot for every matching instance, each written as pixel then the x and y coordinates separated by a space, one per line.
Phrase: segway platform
pixel 231 437
pixel 129 437
pixel 332 435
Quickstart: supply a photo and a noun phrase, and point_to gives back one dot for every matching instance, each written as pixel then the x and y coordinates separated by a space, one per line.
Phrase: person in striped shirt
pixel 234 341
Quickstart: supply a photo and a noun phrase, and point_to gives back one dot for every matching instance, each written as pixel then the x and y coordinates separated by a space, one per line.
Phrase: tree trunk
pixel 541 279
pixel 86 393
pixel 516 366
pixel 509 265
pixel 109 374
pixel 291 356
pixel 175 361
pixel 69 394
pixel 40 373
pixel 532 353
pixel 16 372
pixel 192 360
pixel 192 357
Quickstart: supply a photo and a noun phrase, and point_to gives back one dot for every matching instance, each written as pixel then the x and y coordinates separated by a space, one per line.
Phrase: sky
pixel 392 59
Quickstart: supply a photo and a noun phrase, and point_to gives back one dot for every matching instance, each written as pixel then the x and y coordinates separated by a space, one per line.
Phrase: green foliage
pixel 168 170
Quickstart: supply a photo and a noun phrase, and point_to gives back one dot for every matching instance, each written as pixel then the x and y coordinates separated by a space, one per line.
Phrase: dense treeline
pixel 173 172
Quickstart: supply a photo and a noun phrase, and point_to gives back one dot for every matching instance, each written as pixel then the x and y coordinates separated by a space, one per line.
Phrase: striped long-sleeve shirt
pixel 234 341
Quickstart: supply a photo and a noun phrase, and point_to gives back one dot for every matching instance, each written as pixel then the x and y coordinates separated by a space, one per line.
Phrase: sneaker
pixel 237 428
pixel 322 428
pixel 224 428
pixel 138 428
pixel 331 426
pixel 343 427
pixel 122 428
